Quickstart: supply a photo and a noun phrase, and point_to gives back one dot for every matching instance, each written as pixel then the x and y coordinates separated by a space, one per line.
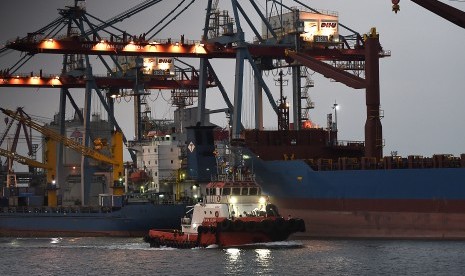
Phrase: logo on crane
pixel 332 25
pixel 165 60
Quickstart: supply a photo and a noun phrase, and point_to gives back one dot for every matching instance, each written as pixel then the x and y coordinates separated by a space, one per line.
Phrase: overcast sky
pixel 422 83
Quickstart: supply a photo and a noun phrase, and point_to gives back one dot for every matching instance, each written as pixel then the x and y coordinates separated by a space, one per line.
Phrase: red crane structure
pixel 342 58
pixel 77 23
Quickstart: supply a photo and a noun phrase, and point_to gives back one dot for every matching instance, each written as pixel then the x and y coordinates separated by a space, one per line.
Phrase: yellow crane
pixel 49 166
pixel 25 160
pixel 116 150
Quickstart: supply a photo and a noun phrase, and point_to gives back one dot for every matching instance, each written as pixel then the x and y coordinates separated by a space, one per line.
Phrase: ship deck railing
pixel 387 163
pixel 57 210
pixel 233 177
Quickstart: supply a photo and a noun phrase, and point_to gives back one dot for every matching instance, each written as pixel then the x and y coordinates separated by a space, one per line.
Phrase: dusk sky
pixel 422 83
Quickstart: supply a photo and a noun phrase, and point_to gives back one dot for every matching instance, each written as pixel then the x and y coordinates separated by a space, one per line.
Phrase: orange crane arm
pixel 328 70
pixel 86 151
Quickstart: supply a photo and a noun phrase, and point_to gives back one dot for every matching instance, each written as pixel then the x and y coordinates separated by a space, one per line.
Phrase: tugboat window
pixel 236 191
pixel 245 191
pixel 253 191
pixel 226 191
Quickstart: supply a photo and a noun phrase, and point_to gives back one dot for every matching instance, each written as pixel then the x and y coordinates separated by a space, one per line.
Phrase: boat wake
pixel 123 244
pixel 278 244
pixel 267 245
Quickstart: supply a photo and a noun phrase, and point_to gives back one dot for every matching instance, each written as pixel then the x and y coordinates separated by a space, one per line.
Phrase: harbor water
pixel 131 256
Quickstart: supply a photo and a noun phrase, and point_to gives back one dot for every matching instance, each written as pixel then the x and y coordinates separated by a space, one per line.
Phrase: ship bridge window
pixel 210 191
pixel 236 191
pixel 253 191
pixel 245 191
pixel 226 191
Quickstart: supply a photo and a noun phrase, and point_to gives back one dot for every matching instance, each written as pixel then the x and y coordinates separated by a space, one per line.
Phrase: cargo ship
pixel 33 206
pixel 130 220
pixel 342 194
pixel 351 189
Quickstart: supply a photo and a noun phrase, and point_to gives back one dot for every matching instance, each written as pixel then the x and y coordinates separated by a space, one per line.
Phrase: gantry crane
pixel 116 159
pixel 79 24
pixel 215 47
pixel 332 58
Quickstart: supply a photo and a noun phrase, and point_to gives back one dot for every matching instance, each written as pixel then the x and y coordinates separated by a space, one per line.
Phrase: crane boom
pixel 445 11
pixel 86 151
pixel 24 160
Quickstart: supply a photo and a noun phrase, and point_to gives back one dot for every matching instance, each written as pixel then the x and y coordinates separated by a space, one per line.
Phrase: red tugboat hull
pixel 228 233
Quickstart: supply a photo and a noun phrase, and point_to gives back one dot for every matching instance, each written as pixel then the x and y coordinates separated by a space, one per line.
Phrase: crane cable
pixel 174 18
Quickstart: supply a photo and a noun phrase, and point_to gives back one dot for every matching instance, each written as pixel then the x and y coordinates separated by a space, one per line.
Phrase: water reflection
pixel 55 240
pixel 263 256
pixel 233 264
pixel 233 254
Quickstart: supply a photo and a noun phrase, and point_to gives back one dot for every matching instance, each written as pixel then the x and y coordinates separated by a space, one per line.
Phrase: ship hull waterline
pixel 397 203
pixel 365 223
pixel 132 220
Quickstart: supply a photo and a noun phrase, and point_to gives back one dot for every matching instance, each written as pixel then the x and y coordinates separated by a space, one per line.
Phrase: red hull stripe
pixel 376 205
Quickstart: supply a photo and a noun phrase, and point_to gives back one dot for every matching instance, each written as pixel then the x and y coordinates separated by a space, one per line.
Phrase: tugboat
pixel 234 213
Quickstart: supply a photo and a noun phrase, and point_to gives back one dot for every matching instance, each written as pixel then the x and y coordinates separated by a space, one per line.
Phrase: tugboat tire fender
pixel 281 224
pixel 301 225
pixel 238 225
pixel 251 226
pixel 293 225
pixel 267 225
pixel 225 225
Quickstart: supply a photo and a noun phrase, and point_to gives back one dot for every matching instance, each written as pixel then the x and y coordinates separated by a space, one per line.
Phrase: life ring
pixel 218 198
pixel 217 214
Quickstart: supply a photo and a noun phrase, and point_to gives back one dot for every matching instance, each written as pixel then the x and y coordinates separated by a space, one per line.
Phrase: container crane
pixel 338 53
pixel 116 149
pixel 79 24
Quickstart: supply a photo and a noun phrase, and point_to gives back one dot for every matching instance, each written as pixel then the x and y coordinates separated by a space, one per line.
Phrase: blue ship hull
pixel 132 220
pixel 377 203
pixel 295 179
